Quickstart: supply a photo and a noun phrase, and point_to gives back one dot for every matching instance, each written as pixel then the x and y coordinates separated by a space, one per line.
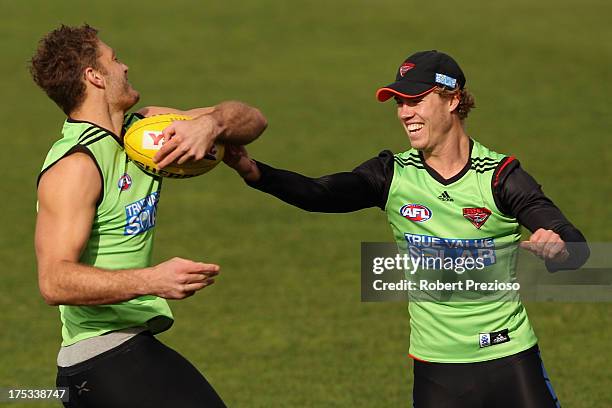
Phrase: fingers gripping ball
pixel 144 138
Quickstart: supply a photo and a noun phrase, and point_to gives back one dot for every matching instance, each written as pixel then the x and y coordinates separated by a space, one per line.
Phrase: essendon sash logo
pixel 477 216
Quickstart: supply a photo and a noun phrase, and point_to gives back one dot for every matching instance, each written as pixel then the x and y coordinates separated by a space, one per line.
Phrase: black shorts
pixel 142 372
pixel 517 381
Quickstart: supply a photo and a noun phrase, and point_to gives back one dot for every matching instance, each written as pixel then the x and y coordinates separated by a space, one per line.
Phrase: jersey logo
pixel 477 216
pixel 152 140
pixel 445 196
pixel 485 340
pixel 125 182
pixel 415 212
pixel 140 215
pixel 406 66
pixel 493 338
pixel 434 248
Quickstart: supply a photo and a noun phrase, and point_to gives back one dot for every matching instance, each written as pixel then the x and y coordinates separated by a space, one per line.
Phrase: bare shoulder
pixel 76 175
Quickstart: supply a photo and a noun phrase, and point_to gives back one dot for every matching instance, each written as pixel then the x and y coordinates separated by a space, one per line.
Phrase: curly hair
pixel 60 60
pixel 466 100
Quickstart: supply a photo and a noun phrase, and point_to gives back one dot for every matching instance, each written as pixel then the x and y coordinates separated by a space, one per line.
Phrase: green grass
pixel 284 325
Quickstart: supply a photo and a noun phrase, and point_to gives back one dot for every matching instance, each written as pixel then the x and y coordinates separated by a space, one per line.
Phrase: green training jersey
pixel 121 234
pixel 426 211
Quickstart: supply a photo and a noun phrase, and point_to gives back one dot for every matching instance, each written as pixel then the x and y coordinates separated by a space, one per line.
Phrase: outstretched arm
pixel 229 122
pixel 67 196
pixel 364 187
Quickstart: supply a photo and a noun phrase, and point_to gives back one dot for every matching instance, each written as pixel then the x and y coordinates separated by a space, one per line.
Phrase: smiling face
pixel 119 92
pixel 427 120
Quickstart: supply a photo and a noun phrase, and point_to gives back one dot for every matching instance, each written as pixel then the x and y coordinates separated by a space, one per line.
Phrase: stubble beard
pixel 127 98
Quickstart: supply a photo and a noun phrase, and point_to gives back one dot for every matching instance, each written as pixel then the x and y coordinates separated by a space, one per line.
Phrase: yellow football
pixel 144 138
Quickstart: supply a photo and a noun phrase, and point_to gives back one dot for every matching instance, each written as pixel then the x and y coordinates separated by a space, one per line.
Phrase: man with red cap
pixel 448 188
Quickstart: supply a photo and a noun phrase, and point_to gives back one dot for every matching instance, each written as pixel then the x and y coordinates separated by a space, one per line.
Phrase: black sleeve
pixel 366 186
pixel 517 194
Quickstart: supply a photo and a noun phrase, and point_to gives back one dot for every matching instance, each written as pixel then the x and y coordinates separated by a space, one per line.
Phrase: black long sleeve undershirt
pixel 364 187
pixel 519 195
pixel 516 194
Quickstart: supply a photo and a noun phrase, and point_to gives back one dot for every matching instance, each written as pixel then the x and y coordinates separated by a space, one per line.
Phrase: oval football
pixel 144 138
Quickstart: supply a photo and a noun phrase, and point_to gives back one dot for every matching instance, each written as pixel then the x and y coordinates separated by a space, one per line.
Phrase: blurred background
pixel 284 325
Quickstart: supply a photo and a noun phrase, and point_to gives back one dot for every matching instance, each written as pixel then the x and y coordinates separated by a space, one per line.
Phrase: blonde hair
pixel 466 100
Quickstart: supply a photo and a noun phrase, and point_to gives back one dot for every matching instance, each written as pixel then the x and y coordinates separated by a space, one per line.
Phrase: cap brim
pixel 404 89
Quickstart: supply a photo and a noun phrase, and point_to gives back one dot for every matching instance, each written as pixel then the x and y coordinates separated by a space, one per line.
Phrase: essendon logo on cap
pixel 477 216
pixel 406 66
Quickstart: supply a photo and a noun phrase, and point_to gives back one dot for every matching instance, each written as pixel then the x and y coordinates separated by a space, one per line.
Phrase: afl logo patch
pixel 415 212
pixel 125 182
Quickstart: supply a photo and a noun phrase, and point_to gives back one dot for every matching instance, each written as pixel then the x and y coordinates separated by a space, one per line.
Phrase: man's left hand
pixel 547 245
pixel 186 140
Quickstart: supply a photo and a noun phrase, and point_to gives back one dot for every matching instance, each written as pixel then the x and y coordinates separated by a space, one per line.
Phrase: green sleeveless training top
pixel 121 234
pixel 447 217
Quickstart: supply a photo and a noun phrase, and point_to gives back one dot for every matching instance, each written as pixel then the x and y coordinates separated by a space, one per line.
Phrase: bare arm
pixel 67 196
pixel 160 110
pixel 229 122
pixel 241 124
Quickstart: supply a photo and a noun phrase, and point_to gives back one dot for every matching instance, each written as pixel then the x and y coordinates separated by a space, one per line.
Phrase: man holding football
pixel 112 301
pixel 464 191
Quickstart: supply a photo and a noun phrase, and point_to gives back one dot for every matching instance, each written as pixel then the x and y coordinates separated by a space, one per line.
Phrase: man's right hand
pixel 179 278
pixel 238 158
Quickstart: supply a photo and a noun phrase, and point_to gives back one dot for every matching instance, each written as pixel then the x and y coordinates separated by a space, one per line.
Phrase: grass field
pixel 284 325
